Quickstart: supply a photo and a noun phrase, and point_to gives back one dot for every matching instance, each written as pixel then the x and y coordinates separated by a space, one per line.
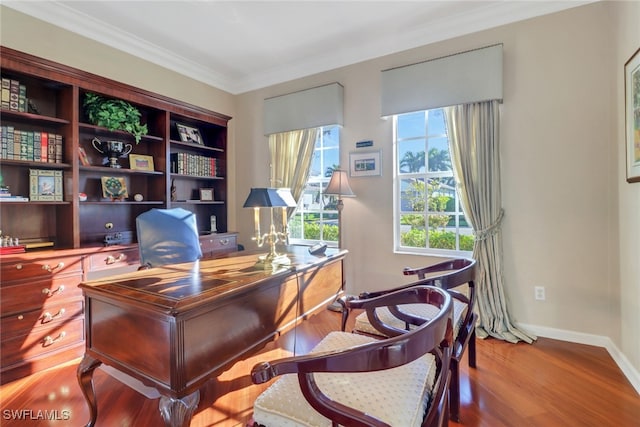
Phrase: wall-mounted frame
pixel 365 163
pixel 206 194
pixel 189 134
pixel 114 188
pixel 632 115
pixel 141 162
pixel 45 185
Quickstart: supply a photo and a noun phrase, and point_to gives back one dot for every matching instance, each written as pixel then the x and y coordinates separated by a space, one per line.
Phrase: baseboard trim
pixel 596 340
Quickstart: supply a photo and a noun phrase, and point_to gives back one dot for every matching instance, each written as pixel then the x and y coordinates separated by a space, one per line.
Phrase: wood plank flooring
pixel 549 383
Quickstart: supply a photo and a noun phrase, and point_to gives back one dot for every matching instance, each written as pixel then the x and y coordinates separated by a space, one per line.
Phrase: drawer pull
pixel 18 266
pixel 48 317
pixel 51 293
pixel 49 341
pixel 224 242
pixel 50 270
pixel 20 317
pixel 112 260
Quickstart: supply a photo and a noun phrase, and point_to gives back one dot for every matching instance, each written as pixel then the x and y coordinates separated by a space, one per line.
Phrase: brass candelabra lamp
pixel 271 198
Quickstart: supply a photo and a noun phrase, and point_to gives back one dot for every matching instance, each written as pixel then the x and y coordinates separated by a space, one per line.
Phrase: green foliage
pixel 114 114
pixel 438 239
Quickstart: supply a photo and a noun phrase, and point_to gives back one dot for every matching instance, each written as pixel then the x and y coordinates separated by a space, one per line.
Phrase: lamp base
pixel 272 262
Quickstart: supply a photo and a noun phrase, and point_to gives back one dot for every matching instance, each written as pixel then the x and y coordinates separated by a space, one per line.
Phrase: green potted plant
pixel 114 114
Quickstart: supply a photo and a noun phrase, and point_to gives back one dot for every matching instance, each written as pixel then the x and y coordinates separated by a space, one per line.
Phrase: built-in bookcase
pixel 53 105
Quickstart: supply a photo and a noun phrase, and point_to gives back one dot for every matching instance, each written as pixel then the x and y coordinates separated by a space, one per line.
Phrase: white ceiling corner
pixel 238 46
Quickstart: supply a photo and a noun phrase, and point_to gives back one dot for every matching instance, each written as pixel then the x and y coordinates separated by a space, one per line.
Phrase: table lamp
pixel 271 198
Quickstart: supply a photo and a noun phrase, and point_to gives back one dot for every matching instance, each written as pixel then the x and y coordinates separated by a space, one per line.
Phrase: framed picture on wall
pixel 365 164
pixel 632 115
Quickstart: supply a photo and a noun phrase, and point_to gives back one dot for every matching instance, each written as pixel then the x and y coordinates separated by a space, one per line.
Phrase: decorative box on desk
pixel 194 320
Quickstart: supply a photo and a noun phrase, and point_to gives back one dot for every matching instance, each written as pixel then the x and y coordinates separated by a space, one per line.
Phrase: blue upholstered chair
pixel 167 236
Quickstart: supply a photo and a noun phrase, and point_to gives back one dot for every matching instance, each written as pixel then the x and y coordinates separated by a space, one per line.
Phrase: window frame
pixel 398 178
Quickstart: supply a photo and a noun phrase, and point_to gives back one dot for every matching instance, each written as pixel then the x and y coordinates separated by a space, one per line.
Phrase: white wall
pixel 572 222
pixel 626 251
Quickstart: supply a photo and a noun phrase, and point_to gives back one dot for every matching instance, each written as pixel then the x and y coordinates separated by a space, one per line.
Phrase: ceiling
pixel 238 46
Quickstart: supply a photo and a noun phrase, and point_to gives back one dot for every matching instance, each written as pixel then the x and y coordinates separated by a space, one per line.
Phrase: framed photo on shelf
pixel 365 164
pixel 114 188
pixel 141 162
pixel 45 185
pixel 632 115
pixel 189 134
pixel 206 194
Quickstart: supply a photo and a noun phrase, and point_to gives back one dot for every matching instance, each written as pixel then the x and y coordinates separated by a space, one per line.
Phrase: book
pixel 84 159
pixel 44 147
pixel 37 146
pixel 14 199
pixel 51 156
pixel 6 85
pixel 14 95
pixel 22 98
pixel 58 151
pixel 9 142
pixel 16 143
pixel 3 142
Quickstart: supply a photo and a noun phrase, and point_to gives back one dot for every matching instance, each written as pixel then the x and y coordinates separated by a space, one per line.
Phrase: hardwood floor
pixel 549 383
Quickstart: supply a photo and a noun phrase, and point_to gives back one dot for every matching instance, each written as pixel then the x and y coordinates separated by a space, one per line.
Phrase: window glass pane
pixel 316 217
pixel 412 195
pixel 436 122
pixel 411 156
pixel 411 125
pixel 412 230
pixel 439 159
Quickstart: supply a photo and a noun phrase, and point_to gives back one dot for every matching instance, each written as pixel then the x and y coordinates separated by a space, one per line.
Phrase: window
pixel 428 217
pixel 316 217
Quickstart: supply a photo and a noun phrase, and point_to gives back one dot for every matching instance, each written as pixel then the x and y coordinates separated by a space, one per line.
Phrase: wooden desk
pixel 175 327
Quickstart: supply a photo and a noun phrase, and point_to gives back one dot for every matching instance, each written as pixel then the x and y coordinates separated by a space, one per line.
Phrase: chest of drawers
pixel 42 314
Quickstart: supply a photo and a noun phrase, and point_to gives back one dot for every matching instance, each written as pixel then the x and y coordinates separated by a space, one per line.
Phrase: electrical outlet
pixel 539 293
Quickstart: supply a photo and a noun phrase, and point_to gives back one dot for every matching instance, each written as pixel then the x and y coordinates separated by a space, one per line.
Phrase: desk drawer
pixel 113 259
pixel 27 269
pixel 23 323
pixel 212 244
pixel 40 294
pixel 21 348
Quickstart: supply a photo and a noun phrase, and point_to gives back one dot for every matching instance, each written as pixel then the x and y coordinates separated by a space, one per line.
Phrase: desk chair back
pixel 167 236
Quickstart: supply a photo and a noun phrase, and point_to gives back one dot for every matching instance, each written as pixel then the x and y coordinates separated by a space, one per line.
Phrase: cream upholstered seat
pixel 447 275
pixel 427 311
pixel 358 380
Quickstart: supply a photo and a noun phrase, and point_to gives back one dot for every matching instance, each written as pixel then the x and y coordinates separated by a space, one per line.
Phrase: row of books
pixel 193 164
pixel 14 95
pixel 29 145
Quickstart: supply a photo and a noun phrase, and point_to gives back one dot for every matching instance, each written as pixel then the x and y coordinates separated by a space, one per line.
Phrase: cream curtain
pixel 474 142
pixel 291 154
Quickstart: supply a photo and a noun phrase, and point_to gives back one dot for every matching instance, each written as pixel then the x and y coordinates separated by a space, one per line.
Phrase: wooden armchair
pixel 358 380
pixel 447 275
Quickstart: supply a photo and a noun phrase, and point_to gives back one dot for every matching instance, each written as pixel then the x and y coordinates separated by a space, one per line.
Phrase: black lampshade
pixel 270 198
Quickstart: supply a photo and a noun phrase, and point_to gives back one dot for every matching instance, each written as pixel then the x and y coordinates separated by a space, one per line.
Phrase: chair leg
pixel 454 391
pixel 472 348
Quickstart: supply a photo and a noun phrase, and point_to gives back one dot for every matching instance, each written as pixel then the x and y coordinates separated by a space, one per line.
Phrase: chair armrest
pixel 433 336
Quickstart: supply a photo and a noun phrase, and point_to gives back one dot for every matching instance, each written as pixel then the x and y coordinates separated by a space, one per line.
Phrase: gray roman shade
pixel 310 108
pixel 466 77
